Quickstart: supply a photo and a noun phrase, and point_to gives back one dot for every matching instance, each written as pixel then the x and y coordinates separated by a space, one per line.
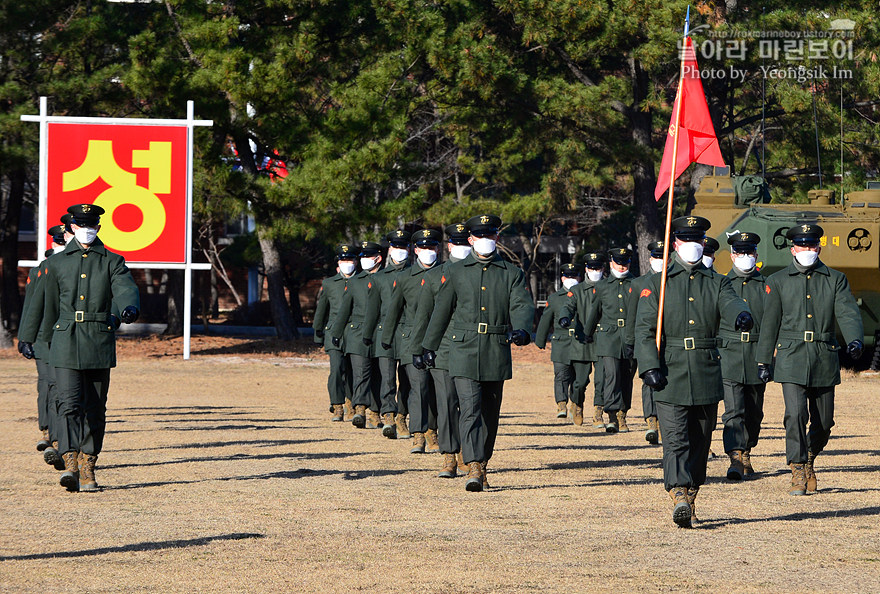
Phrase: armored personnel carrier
pixel 851 243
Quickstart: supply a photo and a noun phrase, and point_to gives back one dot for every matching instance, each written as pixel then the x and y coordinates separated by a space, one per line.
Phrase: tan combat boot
pixel 418 443
pixel 483 478
pixel 70 477
pixel 359 419
pixel 681 507
pixel 598 421
pixel 474 481
pixel 621 422
pixel 561 409
pixel 449 468
pixel 737 469
pixel 611 426
pixel 577 414
pixel 692 498
pixel 402 429
pixel 349 408
pixel 44 442
pixel 747 463
pixel 798 480
pixel 338 413
pixel 390 429
pixel 52 457
pixel 372 419
pixel 433 446
pixel 87 480
pixel 652 435
pixel 461 465
pixel 810 473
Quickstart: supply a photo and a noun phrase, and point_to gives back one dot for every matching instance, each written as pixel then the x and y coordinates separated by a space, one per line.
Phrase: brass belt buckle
pixel 79 316
pixel 808 336
pixel 571 331
pixel 482 328
pixel 744 337
pixel 691 346
pixel 621 322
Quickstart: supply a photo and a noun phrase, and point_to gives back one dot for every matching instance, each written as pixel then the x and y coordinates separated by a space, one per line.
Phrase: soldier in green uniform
pixel 583 354
pixel 404 306
pixel 448 412
pixel 561 339
pixel 649 409
pixel 82 285
pixel 613 298
pixel 696 301
pixel 743 389
pixel 488 297
pixel 329 302
pixel 709 250
pixel 394 387
pixel 349 329
pixel 803 302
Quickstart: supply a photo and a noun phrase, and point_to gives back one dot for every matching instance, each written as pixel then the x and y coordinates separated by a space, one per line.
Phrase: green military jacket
pixel 34 285
pixel 580 300
pixel 427 301
pixel 80 289
pixel 402 313
pixel 488 297
pixel 562 338
pixel 799 314
pixel 636 287
pixel 613 299
pixel 738 349
pixel 383 286
pixel 696 302
pixel 329 302
pixel 358 301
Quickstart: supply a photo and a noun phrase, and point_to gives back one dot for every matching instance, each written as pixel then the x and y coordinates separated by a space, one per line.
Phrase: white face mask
pixel 58 248
pixel 369 263
pixel 346 266
pixel 690 251
pixel 85 235
pixel 569 282
pixel 427 257
pixel 460 251
pixel 806 258
pixel 484 246
pixel 398 254
pixel 745 262
pixel 656 264
pixel 708 261
pixel 594 275
pixel 618 274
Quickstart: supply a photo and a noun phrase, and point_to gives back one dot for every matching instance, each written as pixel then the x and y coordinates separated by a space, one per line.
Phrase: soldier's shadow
pixel 246 457
pixel 199 445
pixel 345 475
pixel 819 515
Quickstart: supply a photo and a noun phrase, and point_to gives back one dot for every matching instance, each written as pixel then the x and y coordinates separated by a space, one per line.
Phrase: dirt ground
pixel 224 473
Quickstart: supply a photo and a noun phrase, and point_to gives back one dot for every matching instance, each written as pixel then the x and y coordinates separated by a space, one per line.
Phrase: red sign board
pixel 136 173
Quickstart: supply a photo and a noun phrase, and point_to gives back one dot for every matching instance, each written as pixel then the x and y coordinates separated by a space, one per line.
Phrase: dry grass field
pixel 224 473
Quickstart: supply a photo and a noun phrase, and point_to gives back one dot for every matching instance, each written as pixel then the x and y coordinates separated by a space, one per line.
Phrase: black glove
pixel 386 346
pixel 419 362
pixel 319 334
pixel 655 379
pixel 26 349
pixel 129 314
pixel 429 357
pixel 335 341
pixel 367 341
pixel 744 322
pixel 520 337
pixel 765 374
pixel 115 321
pixel 629 351
pixel 564 322
pixel 588 338
pixel 854 349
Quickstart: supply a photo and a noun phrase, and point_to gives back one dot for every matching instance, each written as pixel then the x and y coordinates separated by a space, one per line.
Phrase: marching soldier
pixel 329 302
pixel 82 285
pixel 613 298
pixel 448 412
pixel 649 409
pixel 488 296
pixel 391 397
pixel 743 389
pixel 696 300
pixel 349 329
pixel 404 306
pixel 803 302
pixel 583 354
pixel 561 339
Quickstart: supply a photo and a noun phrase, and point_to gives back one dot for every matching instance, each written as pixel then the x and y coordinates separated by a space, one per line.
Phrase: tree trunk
pixel 281 315
pixel 174 292
pixel 10 298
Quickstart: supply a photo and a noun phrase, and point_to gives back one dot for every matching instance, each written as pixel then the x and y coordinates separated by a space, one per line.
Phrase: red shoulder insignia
pixel 442 279
pixel 39 273
pixel 569 294
pixel 423 283
pixel 370 285
pixel 345 289
pixel 630 289
pixel 645 293
pixel 395 283
pixel 594 290
pixel 767 289
pixel 29 280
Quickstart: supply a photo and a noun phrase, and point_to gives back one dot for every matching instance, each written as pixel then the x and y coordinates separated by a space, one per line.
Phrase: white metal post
pixel 43 216
pixel 187 273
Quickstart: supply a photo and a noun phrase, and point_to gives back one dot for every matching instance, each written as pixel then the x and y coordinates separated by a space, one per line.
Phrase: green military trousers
pixel 582 370
pixel 422 400
pixel 45 389
pixel 617 383
pixel 448 417
pixel 387 385
pixel 687 435
pixel 649 409
pixel 563 381
pixel 339 382
pixel 81 398
pixel 480 405
pixel 743 413
pixel 802 405
pixel 404 388
pixel 365 381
